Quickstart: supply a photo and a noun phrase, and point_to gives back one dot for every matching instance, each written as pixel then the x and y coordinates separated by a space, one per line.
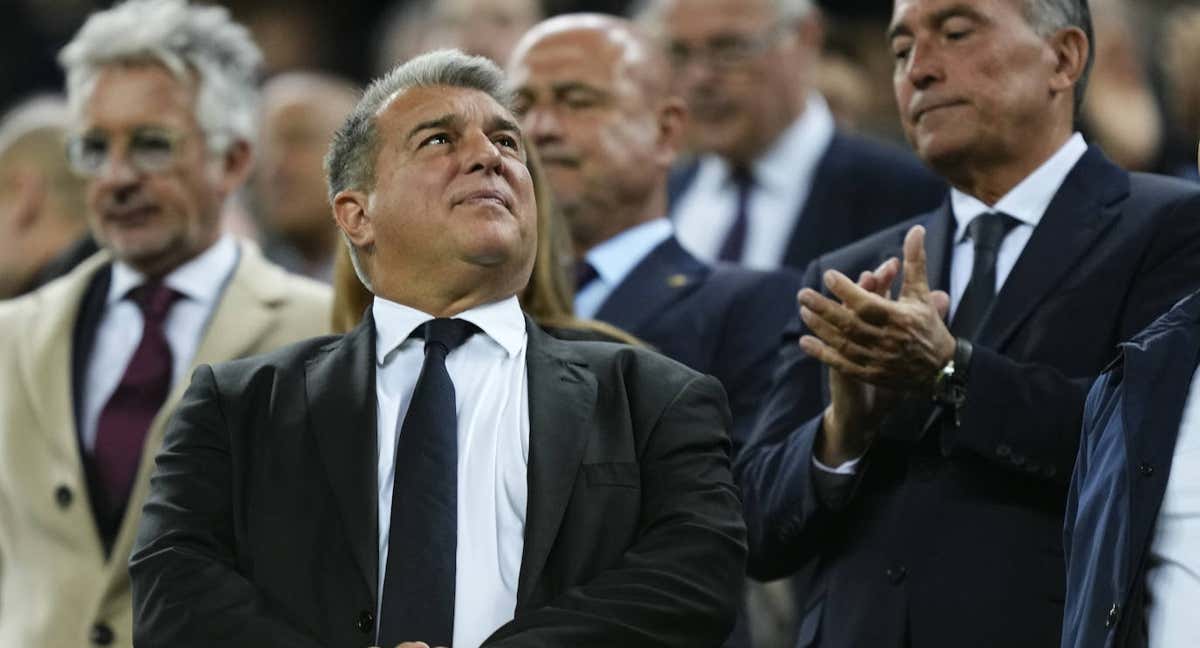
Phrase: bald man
pixel 593 97
pixel 300 112
pixel 42 229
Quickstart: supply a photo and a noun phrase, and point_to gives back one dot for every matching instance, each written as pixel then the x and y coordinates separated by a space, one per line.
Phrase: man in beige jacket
pixel 92 364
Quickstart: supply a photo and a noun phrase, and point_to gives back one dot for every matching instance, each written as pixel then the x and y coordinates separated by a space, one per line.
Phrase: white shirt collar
pixel 615 258
pixel 501 321
pixel 794 155
pixel 194 279
pixel 1027 202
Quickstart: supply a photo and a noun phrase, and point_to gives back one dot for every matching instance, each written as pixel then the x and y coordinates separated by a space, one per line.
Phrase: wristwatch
pixel 950 384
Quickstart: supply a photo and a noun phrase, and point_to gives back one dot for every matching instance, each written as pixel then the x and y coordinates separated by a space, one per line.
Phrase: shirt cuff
pixel 849 467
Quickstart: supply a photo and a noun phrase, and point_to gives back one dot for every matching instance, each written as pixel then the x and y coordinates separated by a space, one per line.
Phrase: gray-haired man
pixel 92 364
pixel 446 473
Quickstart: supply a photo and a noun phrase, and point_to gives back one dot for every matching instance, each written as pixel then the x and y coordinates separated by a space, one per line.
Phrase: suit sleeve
pixel 1049 404
pixel 680 582
pixel 186 589
pixel 786 516
pixel 750 345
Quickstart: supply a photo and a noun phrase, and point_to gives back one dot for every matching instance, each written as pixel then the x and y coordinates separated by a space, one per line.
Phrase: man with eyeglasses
pixel 775 182
pixel 162 95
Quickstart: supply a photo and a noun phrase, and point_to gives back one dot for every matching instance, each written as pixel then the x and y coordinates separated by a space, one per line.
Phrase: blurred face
pixel 451 191
pixel 595 131
pixel 153 220
pixel 740 70
pixel 972 80
pixel 296 134
pixel 486 27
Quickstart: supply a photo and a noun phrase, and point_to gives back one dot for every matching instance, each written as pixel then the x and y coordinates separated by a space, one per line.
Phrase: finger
pixel 845 320
pixel 941 301
pixel 865 303
pixel 916 280
pixel 829 357
pixel 885 275
pixel 830 335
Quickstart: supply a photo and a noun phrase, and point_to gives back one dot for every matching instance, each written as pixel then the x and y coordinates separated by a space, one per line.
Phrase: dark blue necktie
pixel 418 586
pixel 735 241
pixel 987 232
pixel 585 274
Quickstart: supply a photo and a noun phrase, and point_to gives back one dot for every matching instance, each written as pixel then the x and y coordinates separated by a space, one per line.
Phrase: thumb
pixel 941 301
pixel 916 280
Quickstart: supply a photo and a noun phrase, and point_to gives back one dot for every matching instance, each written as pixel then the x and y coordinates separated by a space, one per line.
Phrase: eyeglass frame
pixel 751 45
pixel 174 139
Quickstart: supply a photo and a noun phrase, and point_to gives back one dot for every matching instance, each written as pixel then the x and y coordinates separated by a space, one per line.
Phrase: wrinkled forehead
pixel 413 107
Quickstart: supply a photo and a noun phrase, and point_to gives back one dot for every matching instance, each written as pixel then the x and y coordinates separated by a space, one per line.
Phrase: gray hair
pixel 193 42
pixel 350 162
pixel 1048 16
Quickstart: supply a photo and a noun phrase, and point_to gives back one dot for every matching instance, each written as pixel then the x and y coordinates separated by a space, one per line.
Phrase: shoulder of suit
pixel 604 356
pixel 276 284
pixel 868 248
pixel 1162 189
pixel 751 281
pixel 54 295
pixel 286 358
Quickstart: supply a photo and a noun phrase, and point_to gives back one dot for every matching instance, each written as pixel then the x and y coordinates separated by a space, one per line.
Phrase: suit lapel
pixel 939 232
pixel 666 275
pixel 1085 205
pixel 562 397
pixel 340 386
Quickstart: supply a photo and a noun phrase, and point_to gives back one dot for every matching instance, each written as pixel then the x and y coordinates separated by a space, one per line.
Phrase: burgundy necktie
pixel 126 417
pixel 735 241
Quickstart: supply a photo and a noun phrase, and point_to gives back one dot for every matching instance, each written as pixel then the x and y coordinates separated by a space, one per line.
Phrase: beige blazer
pixel 56 588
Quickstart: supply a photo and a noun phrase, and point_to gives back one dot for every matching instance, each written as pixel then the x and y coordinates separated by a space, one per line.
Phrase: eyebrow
pixel 454 122
pixel 956 11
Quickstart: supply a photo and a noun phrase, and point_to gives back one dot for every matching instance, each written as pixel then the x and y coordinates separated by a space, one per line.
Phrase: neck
pixel 450 296
pixel 990 180
pixel 626 218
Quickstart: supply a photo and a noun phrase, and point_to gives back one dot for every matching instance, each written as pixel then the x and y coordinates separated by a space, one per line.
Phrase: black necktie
pixel 585 273
pixel 987 231
pixel 735 240
pixel 418 585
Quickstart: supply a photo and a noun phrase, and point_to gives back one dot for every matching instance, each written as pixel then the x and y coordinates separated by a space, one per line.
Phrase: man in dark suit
pixel 497 487
pixel 919 466
pixel 776 182
pixel 593 97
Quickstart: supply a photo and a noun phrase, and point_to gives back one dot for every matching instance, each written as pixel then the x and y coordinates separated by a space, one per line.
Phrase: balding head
pixel 593 93
pixel 300 112
pixel 42 204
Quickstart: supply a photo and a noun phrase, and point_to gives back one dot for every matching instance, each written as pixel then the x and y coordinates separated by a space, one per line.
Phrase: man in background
pixel 300 112
pixel 162 96
pixel 43 233
pixel 775 182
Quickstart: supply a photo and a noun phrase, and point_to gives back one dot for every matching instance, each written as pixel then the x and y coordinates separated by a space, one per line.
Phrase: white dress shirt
pixel 1027 203
pixel 782 180
pixel 200 281
pixel 491 398
pixel 1173 571
pixel 614 259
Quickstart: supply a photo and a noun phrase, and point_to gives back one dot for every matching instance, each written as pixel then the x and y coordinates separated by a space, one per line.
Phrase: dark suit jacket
pixel 953 533
pixel 861 186
pixel 261 526
pixel 1130 426
pixel 720 320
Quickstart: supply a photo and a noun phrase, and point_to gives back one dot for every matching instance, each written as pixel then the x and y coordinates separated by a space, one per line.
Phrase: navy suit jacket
pixel 720 320
pixel 953 532
pixel 861 186
pixel 1130 426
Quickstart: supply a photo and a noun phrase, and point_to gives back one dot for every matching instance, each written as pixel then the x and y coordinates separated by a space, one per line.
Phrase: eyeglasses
pixel 724 51
pixel 148 149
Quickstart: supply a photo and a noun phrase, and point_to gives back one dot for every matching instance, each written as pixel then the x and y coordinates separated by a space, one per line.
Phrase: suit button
pixel 895 574
pixel 365 623
pixel 101 635
pixel 1146 469
pixel 63 496
pixel 1114 615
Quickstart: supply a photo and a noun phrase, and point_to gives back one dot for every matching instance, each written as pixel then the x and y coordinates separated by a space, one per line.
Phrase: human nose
pixel 923 66
pixel 482 153
pixel 542 124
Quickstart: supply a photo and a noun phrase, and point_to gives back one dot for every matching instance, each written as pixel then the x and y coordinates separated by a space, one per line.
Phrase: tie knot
pixel 154 298
pixel 741 177
pixel 446 332
pixel 585 274
pixel 988 230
